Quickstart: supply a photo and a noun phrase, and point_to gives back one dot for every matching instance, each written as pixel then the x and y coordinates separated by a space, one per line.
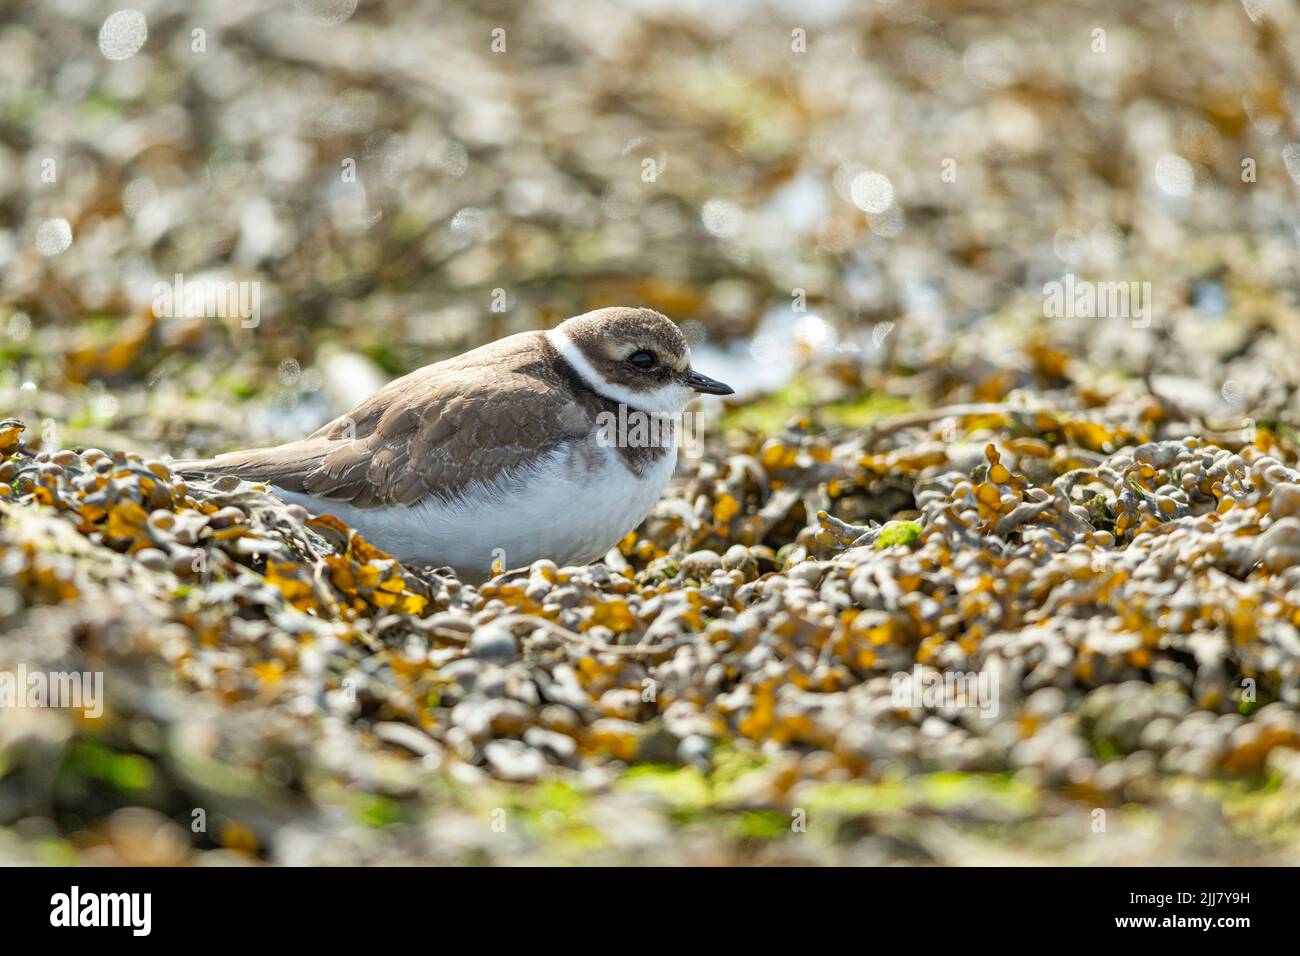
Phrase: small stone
pixel 407 737
pixel 153 559
pixel 738 558
pixel 560 718
pixel 1285 501
pixel 700 564
pixel 658 746
pixel 559 747
pixel 514 760
pixel 696 750
pixel 492 642
pixel 810 572
pixel 464 672
pixel 224 518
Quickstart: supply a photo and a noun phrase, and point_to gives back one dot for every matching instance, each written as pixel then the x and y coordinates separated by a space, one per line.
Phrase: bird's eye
pixel 642 359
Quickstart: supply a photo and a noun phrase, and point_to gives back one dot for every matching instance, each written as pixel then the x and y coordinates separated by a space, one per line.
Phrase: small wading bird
pixel 500 451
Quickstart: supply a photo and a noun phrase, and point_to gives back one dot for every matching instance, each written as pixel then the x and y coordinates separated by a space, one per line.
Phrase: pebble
pixel 492 642
pixel 794 652
pixel 700 564
pixel 514 760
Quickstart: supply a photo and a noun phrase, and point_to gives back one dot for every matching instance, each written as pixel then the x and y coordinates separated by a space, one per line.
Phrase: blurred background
pixel 888 184
pixel 853 209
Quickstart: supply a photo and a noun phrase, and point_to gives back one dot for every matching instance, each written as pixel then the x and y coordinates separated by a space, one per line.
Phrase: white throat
pixel 667 399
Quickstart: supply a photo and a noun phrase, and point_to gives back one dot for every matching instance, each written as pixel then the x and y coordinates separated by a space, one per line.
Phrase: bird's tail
pixel 286 466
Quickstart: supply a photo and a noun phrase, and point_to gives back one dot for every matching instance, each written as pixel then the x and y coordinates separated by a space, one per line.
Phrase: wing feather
pixel 436 431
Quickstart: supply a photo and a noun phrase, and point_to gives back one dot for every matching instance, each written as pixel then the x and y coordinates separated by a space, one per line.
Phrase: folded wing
pixel 436 431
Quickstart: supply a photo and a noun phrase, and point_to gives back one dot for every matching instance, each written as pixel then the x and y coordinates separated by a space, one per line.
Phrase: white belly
pixel 562 509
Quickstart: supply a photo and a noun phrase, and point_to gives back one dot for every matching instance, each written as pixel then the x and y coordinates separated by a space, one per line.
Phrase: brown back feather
pixel 436 431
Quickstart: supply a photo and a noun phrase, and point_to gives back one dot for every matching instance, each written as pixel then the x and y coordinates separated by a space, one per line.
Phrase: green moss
pixel 866 410
pixel 378 811
pixel 761 824
pixel 853 799
pixel 772 413
pixel 936 790
pixel 52 851
pixel 683 788
pixel 24 107
pixel 387 358
pixel 1104 748
pixel 11 353
pixel 552 811
pixel 408 225
pixel 238 384
pixel 730 764
pixel 101 104
pixel 1003 790
pixel 559 795
pixel 1264 809
pixel 666 567
pixel 125 772
pixel 902 533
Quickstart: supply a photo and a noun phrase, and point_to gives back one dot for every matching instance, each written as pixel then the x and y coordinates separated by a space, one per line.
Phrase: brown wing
pixel 434 431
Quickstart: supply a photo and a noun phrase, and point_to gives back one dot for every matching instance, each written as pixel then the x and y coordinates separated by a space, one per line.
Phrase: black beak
pixel 709 386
